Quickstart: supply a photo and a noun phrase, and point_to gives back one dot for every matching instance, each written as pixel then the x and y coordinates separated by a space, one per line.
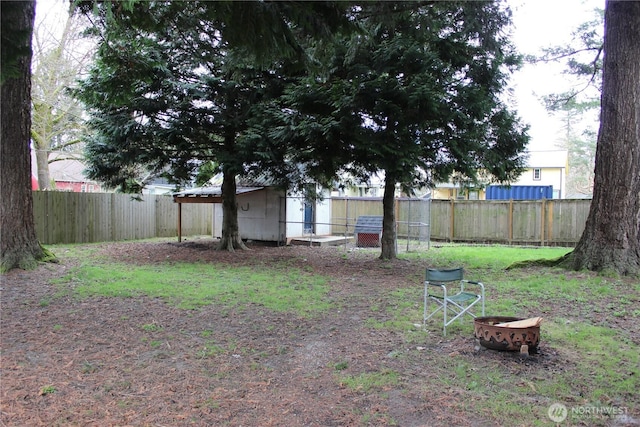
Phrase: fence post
pixel 179 222
pixel 510 221
pixel 543 203
pixel 346 219
pixel 408 223
pixel 549 221
pixel 452 216
pixel 112 217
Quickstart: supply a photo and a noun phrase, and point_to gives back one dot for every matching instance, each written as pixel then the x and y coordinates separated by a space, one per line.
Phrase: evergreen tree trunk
pixel 611 239
pixel 230 230
pixel 19 246
pixel 389 219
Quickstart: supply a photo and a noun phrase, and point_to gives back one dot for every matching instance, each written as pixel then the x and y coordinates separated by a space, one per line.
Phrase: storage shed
pixel 265 213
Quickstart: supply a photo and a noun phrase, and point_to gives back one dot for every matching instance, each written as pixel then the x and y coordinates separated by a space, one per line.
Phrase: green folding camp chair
pixel 456 303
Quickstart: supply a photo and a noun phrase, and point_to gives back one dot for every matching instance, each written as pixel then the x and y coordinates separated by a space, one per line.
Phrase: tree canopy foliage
pixel 416 95
pixel 415 92
pixel 583 60
pixel 170 94
pixel 579 106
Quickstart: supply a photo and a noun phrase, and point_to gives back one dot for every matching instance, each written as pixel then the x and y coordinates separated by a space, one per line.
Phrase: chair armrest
pixel 440 285
pixel 478 284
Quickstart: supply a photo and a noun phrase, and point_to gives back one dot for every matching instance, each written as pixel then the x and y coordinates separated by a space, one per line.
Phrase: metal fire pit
pixel 503 337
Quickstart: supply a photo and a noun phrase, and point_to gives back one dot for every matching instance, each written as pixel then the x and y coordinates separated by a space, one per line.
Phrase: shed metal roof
pixel 208 194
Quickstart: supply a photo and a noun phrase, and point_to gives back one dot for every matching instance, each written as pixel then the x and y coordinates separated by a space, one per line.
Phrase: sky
pixel 537 24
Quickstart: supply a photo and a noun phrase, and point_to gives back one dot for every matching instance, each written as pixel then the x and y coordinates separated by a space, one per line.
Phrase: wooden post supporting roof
pixel 179 222
pixel 204 195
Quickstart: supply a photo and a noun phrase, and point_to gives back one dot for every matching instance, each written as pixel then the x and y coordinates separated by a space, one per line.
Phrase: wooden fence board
pixel 66 217
pixel 567 220
pixel 345 212
pixel 441 214
pixel 166 217
pixel 527 222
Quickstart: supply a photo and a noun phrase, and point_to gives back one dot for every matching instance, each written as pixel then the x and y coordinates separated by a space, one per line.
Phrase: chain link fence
pixel 358 222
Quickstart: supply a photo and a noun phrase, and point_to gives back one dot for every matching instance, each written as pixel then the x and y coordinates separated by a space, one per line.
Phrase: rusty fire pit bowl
pixel 505 338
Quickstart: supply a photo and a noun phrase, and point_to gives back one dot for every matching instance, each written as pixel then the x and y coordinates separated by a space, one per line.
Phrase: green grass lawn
pixel 192 285
pixel 601 369
pixel 589 322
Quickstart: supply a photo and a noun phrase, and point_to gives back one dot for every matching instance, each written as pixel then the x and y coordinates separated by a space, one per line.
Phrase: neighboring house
pixel 373 188
pixel 266 213
pixel 544 168
pixel 67 174
pixel 450 191
pixel 160 186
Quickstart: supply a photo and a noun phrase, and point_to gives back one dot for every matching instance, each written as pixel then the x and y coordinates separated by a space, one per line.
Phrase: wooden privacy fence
pixel 412 215
pixel 555 222
pixel 66 217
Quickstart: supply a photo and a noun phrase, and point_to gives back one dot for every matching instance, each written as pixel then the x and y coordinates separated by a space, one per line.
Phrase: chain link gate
pixel 413 220
pixel 413 224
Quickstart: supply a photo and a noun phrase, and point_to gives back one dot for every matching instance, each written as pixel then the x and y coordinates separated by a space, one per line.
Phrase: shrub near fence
pixel 66 217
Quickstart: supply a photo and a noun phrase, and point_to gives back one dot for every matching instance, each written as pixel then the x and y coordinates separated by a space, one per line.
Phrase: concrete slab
pixel 320 240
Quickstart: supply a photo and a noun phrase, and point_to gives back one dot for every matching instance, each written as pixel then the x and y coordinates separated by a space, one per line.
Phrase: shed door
pixel 308 217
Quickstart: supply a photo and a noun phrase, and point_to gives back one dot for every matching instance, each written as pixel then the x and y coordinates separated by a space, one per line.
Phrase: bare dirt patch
pixel 140 361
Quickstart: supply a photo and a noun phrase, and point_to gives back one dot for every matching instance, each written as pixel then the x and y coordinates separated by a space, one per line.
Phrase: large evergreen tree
pixel 415 95
pixel 260 28
pixel 168 93
pixel 611 239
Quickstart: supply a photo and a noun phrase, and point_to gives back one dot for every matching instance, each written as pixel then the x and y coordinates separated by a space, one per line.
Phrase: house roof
pixel 213 192
pixel 69 170
pixel 63 168
pixel 260 180
pixel 547 159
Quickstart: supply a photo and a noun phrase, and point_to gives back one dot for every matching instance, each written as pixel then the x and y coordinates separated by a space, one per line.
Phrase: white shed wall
pixel 295 216
pixel 323 215
pixel 260 214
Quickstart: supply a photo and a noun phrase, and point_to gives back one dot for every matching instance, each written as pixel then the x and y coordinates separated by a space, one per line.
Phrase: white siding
pixel 261 215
